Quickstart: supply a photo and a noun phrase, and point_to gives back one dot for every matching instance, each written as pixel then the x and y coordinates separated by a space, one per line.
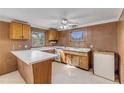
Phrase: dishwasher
pixel 104 64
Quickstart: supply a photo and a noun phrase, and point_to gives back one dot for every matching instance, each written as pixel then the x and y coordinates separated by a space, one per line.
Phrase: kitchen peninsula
pixel 35 66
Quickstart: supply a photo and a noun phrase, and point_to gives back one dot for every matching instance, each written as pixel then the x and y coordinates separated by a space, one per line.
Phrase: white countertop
pixel 63 48
pixel 32 56
pixel 78 49
pixel 43 48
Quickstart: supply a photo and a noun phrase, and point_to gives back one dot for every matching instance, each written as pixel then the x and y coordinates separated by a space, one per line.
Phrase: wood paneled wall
pixel 102 37
pixel 7 60
pixel 121 46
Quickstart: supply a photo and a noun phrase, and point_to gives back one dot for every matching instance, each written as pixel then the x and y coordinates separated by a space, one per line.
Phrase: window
pixel 77 36
pixel 38 39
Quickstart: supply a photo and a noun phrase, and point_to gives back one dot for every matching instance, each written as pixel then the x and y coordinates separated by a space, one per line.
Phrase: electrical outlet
pixel 91 46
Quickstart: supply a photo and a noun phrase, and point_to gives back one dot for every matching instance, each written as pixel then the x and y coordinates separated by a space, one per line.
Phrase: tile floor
pixel 61 74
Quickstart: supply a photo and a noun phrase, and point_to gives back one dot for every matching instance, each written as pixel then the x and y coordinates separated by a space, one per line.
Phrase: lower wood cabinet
pixel 75 60
pixel 84 62
pixel 37 73
pixel 81 60
pixel 62 56
pixel 68 59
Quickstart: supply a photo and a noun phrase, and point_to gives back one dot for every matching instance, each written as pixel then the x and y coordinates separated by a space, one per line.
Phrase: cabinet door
pixel 26 31
pixel 62 55
pixel 53 35
pixel 75 60
pixel 16 30
pixel 68 59
pixel 84 63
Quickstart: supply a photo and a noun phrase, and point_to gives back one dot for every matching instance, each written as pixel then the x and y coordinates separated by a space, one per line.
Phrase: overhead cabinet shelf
pixel 53 35
pixel 19 31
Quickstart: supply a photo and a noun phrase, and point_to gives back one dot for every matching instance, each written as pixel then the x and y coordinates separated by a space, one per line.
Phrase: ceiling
pixel 51 17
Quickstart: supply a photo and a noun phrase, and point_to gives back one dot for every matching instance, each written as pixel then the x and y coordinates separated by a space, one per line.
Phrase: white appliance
pixel 104 64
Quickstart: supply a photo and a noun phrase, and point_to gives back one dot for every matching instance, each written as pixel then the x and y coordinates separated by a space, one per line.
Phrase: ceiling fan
pixel 66 24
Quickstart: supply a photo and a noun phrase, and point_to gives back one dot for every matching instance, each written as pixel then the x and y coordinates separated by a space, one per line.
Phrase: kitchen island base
pixel 37 73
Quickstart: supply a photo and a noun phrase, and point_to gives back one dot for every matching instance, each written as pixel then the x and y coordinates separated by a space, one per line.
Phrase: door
pixel 26 31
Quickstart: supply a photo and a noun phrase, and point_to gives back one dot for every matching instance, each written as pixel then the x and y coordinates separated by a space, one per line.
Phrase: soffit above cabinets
pixel 51 17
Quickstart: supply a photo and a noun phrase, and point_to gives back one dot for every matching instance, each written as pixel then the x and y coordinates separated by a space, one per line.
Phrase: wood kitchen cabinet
pixel 19 31
pixel 72 59
pixel 26 31
pixel 38 73
pixel 77 59
pixel 62 56
pixel 52 35
pixel 68 59
pixel 16 30
pixel 84 62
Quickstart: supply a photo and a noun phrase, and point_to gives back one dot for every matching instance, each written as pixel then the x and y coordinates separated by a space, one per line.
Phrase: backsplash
pixel 21 44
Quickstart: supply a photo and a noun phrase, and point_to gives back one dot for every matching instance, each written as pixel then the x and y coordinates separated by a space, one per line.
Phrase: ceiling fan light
pixel 65 24
pixel 64 21
pixel 61 27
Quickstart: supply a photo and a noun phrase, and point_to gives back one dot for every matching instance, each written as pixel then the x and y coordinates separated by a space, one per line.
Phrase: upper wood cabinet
pixel 16 30
pixel 19 31
pixel 53 35
pixel 26 31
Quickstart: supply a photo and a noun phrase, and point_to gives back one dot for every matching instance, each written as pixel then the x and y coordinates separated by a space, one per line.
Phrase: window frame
pixel 44 39
pixel 84 36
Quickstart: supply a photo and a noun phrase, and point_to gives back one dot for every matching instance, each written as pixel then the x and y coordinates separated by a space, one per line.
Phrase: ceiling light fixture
pixel 64 21
pixel 65 24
